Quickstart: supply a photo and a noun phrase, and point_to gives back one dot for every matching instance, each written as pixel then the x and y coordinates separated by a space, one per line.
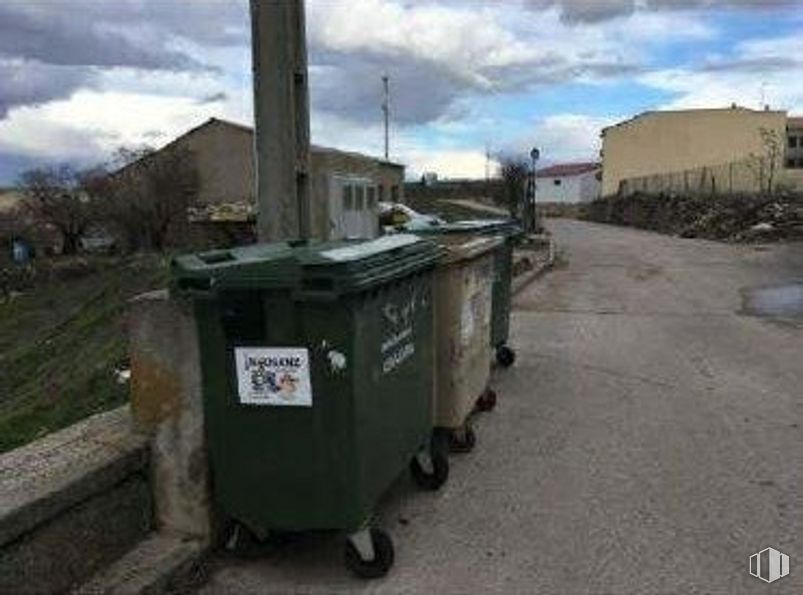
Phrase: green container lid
pixel 509 227
pixel 310 268
pixel 458 247
pixel 247 266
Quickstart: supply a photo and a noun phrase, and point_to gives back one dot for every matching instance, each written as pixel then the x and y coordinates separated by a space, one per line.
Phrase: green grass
pixel 61 341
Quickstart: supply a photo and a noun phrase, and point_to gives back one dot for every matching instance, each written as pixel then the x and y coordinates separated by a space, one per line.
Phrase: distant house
pixel 345 186
pixel 568 183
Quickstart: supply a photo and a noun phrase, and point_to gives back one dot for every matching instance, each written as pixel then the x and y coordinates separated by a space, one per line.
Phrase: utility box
pixel 317 363
pixel 353 210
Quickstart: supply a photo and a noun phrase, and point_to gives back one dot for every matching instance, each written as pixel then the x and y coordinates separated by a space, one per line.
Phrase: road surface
pixel 648 439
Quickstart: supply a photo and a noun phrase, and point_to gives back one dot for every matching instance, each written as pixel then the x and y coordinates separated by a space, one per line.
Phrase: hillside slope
pixel 62 340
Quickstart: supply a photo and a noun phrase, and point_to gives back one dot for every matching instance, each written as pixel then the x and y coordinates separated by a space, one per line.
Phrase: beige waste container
pixel 463 294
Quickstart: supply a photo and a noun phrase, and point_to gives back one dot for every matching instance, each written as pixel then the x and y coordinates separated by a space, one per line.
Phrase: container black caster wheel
pixel 369 554
pixel 238 540
pixel 462 441
pixel 430 469
pixel 505 356
pixel 487 400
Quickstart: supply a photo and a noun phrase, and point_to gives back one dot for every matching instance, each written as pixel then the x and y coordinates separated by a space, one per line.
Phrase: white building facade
pixel 569 183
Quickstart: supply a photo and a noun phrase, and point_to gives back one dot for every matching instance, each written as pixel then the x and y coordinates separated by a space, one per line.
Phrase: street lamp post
pixel 530 223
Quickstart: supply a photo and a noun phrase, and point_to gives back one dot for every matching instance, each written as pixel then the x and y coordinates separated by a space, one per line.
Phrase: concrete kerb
pixel 163 563
pixel 524 279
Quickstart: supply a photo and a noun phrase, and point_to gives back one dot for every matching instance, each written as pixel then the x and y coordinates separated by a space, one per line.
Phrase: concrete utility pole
pixel 281 117
pixel 386 111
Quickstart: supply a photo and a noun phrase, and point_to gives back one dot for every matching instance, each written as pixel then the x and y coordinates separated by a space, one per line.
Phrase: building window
pixel 556 182
pixel 348 197
pixel 793 142
pixel 381 189
pixel 359 197
pixel 790 162
pixel 394 193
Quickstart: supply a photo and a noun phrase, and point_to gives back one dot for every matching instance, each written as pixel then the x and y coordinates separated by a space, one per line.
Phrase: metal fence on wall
pixel 753 175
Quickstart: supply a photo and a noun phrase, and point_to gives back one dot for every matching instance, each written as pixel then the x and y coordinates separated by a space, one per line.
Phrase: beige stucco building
pixel 345 186
pixel 664 142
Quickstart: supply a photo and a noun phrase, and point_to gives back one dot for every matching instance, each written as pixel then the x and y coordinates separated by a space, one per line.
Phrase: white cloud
pixel 91 124
pixel 654 28
pixel 564 137
pixel 771 69
pixel 466 41
pixel 449 160
pixel 450 163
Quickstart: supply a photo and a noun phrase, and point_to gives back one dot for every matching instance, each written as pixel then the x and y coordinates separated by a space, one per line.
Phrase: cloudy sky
pixel 79 78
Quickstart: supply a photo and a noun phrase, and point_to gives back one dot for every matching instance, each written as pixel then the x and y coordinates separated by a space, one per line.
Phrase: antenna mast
pixel 386 111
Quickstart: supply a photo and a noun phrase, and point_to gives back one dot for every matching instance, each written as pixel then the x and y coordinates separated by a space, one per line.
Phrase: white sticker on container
pixel 274 376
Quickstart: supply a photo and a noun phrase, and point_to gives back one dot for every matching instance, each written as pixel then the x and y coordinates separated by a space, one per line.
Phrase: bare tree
pixel 149 196
pixel 765 165
pixel 773 153
pixel 514 172
pixel 57 196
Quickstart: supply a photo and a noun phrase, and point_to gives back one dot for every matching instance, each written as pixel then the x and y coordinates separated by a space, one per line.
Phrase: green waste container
pixel 317 364
pixel 510 230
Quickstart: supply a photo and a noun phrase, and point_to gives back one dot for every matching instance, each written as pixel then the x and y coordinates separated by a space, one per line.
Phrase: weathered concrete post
pixel 281 117
pixel 166 402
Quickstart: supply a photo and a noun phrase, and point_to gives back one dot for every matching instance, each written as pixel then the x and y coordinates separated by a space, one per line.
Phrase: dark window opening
pixel 348 198
pixel 557 182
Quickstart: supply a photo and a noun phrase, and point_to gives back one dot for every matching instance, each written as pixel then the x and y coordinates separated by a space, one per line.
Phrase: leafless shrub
pixel 57 197
pixel 148 197
pixel 514 172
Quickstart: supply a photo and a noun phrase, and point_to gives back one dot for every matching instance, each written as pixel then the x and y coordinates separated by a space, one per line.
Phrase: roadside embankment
pixel 733 218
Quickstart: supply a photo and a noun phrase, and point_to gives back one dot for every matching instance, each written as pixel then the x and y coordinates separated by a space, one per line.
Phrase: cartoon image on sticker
pixel 273 376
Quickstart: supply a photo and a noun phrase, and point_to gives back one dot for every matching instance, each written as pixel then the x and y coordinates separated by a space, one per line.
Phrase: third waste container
pixel 510 231
pixel 317 369
pixel 463 302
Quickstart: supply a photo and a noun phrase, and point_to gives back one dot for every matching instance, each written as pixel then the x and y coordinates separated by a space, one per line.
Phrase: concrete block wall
pixel 72 503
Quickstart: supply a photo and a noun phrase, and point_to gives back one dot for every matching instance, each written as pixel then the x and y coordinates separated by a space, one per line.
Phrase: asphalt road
pixel 648 440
